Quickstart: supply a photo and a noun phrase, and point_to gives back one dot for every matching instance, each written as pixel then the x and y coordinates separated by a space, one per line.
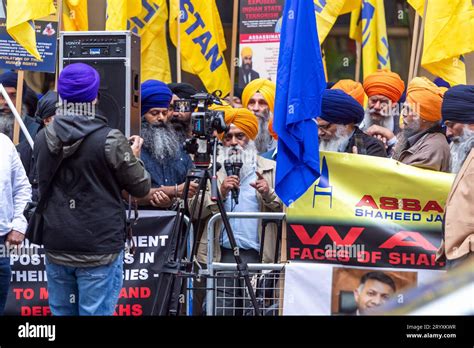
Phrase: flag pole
pixel 358 60
pixel 420 41
pixel 178 44
pixel 60 28
pixel 235 17
pixel 414 41
pixel 18 102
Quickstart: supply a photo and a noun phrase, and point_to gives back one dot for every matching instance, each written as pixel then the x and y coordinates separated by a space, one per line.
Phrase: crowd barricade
pixel 226 293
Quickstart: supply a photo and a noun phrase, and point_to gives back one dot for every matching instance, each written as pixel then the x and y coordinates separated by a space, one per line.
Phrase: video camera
pixel 204 123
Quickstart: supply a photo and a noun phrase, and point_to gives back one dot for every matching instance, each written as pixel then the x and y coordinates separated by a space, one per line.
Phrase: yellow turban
pixel 242 118
pixel 386 83
pixel 246 51
pixel 354 89
pixel 425 98
pixel 264 86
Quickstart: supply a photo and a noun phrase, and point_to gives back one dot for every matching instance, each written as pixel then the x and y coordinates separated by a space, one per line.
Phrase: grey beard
pixel 460 149
pixel 7 121
pixel 387 122
pixel 337 143
pixel 264 141
pixel 247 155
pixel 162 142
pixel 402 143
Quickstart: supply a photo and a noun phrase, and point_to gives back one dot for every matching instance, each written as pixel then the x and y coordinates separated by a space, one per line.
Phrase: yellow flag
pixel 119 11
pixel 150 25
pixel 327 12
pixel 448 34
pixel 75 16
pixel 355 30
pixel 368 25
pixel 20 21
pixel 202 42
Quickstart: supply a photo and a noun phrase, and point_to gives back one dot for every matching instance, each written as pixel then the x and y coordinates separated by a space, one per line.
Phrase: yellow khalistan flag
pixel 448 34
pixel 328 11
pixel 20 21
pixel 202 42
pixel 75 15
pixel 120 11
pixel 150 24
pixel 368 26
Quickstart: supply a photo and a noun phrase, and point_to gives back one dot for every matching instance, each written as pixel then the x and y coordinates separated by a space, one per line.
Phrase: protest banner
pixel 28 294
pixel 364 214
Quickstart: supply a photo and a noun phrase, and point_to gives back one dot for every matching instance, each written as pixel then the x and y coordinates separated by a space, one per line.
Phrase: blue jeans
pixel 84 290
pixel 5 275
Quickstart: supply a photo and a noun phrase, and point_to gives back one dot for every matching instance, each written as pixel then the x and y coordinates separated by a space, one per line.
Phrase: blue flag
pixel 300 85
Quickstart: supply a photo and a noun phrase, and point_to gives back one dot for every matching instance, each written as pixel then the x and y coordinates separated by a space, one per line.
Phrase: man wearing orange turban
pixel 353 88
pixel 250 189
pixel 384 90
pixel 422 142
pixel 246 72
pixel 259 97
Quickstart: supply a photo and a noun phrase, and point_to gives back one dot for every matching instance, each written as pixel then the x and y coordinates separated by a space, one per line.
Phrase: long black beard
pixel 162 142
pixel 247 67
pixel 182 129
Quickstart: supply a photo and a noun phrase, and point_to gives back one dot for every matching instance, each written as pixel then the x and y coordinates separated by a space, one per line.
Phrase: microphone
pixel 230 170
pixel 237 166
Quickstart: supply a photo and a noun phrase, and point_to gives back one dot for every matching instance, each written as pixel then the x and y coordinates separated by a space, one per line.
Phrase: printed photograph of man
pixel 374 290
pixel 246 72
pixel 356 291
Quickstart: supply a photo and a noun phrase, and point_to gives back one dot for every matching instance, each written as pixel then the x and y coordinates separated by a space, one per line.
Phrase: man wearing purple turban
pixel 337 126
pixel 84 218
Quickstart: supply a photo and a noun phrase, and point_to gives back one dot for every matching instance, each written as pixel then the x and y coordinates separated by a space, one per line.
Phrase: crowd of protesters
pixel 94 168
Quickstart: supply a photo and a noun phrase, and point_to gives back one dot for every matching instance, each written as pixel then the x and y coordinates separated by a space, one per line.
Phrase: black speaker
pixel 116 56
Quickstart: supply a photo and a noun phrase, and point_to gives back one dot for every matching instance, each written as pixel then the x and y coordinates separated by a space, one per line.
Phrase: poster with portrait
pixel 259 41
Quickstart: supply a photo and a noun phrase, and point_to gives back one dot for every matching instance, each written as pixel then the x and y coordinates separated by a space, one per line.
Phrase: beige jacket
pixel 459 214
pixel 269 203
pixel 430 152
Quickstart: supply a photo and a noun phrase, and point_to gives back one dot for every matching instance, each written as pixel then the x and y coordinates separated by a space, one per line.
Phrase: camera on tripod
pixel 204 123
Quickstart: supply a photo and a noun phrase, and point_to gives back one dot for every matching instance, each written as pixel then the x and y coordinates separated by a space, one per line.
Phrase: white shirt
pixel 15 189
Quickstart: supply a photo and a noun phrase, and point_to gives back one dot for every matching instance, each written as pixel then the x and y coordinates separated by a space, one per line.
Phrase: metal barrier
pixel 266 277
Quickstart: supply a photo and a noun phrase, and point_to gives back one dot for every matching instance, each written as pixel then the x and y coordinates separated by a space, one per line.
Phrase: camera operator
pixel 84 219
pixel 162 153
pixel 256 193
pixel 181 120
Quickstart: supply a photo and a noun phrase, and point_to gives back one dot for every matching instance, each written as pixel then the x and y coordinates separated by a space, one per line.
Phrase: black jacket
pixel 253 76
pixel 370 145
pixel 84 213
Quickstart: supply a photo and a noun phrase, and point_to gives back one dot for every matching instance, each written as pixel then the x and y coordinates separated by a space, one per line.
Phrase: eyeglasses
pixel 238 136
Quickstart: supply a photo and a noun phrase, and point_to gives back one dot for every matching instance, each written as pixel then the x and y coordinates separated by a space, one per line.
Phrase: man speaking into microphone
pixel 250 191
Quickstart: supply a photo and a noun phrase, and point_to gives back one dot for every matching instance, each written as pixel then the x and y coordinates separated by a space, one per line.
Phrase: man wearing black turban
pixel 44 115
pixel 337 126
pixel 181 120
pixel 458 116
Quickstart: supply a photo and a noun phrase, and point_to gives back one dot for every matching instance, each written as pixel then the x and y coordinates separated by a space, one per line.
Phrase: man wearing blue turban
pixel 163 152
pixel 337 126
pixel 458 238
